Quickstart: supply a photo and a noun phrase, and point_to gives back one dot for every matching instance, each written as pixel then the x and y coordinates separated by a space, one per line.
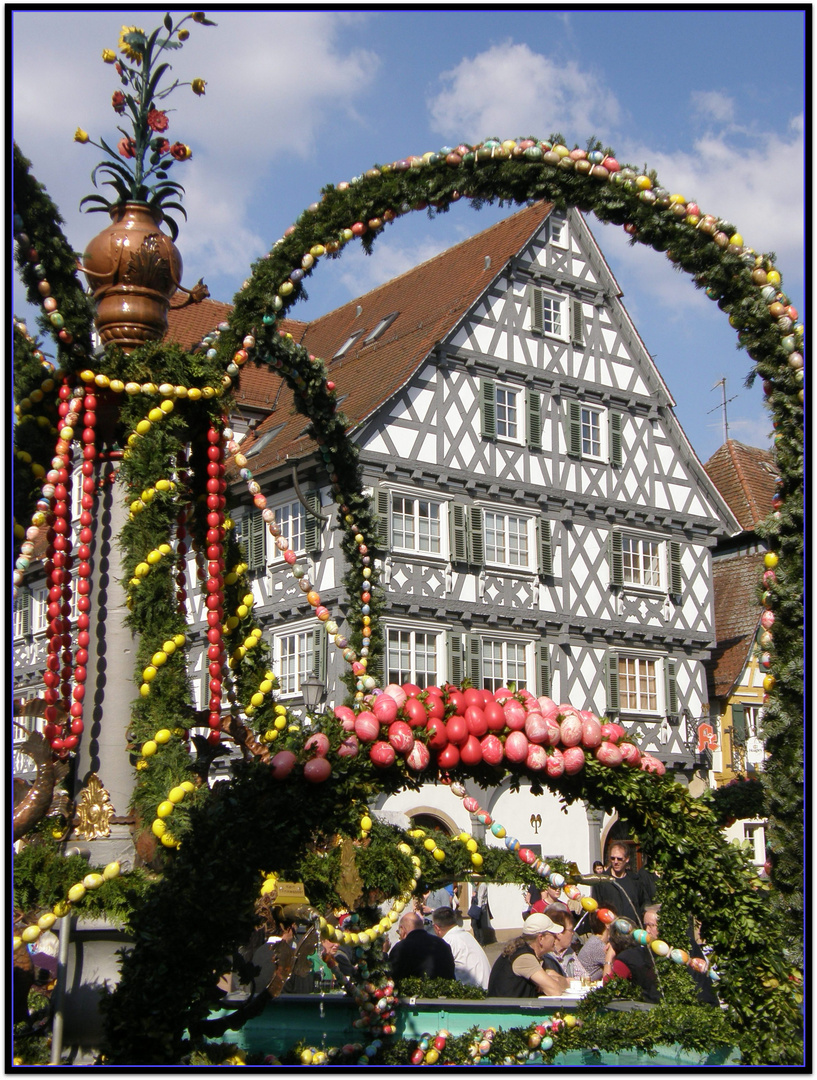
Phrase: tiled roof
pixel 430 300
pixel 188 325
pixel 745 477
pixel 737 613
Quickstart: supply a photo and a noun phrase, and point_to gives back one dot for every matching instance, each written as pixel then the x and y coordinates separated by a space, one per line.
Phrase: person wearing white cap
pixel 517 971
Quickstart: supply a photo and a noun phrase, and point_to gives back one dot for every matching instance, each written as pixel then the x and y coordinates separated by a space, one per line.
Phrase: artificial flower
pixel 128 49
pixel 109 56
pixel 126 147
pixel 118 101
pixel 118 68
pixel 157 120
pixel 184 35
pixel 162 146
pixel 81 136
pixel 198 16
pixel 181 152
pixel 197 86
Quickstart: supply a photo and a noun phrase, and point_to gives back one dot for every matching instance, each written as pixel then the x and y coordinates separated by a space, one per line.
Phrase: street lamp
pixel 312 690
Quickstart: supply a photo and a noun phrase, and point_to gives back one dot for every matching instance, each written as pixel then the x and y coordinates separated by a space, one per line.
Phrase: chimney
pixel 487 262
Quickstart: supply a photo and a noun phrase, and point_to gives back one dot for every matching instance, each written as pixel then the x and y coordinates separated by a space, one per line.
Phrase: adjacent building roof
pixel 745 477
pixel 429 301
pixel 737 614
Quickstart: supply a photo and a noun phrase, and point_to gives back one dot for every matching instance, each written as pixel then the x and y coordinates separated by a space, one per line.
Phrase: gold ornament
pixel 94 810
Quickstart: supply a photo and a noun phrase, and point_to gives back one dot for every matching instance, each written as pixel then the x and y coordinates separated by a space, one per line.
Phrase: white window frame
pixel 660 557
pixel 503 559
pixel 558 232
pixel 282 512
pixel 417 518
pixel 518 408
pixel 639 709
pixel 302 639
pixel 585 412
pixel 507 675
pixel 409 633
pixel 39 610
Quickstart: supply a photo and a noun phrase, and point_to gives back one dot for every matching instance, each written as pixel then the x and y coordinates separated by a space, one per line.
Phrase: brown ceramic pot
pixel 133 269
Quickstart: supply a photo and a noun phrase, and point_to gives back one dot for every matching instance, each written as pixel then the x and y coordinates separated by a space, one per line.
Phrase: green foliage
pixel 426 987
pixel 741 798
pixel 43 875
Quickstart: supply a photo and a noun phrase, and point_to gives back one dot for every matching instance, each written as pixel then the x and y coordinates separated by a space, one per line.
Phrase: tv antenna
pixel 722 384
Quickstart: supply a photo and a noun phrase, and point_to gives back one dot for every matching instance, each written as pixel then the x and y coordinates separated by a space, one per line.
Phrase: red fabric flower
pixel 118 101
pixel 126 147
pixel 179 151
pixel 162 146
pixel 157 120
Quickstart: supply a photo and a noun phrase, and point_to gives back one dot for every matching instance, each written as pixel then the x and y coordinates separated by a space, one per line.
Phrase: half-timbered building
pixel 545 520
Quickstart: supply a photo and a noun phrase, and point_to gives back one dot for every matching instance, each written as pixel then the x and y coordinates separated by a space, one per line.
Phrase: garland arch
pixel 229 837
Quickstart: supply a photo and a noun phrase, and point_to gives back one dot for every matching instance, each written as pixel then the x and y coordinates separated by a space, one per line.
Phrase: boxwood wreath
pixel 279 813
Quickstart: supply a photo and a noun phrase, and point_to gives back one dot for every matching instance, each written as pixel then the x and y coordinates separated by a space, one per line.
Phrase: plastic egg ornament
pixel 624 926
pixel 660 948
pixel 679 956
pixel 641 937
pixel 588 903
pixel 607 916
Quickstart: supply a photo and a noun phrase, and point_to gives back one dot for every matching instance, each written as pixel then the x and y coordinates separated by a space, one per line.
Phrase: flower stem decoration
pixel 137 169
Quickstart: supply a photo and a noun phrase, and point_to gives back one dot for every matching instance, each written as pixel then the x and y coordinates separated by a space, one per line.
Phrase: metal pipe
pixel 59 990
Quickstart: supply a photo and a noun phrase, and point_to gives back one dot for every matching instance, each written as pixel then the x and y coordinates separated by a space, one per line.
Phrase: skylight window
pixel 260 443
pixel 348 343
pixel 381 327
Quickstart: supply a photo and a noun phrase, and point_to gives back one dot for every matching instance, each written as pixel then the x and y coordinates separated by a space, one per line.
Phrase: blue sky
pixel 714 100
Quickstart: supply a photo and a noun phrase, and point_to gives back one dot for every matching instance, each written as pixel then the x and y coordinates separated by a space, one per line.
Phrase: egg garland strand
pixel 74 895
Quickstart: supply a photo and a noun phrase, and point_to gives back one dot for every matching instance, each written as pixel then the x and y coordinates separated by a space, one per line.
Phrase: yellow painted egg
pixel 164 809
pixel 149 748
pixel 76 892
pixel 31 933
pixel 477 859
pixel 163 735
pixel 45 922
pixel 93 881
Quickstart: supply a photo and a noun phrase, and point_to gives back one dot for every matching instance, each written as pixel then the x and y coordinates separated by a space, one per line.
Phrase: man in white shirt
pixel 471 965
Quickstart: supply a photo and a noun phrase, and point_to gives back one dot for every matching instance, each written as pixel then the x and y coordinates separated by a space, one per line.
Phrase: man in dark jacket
pixel 624 890
pixel 418 953
pixel 517 971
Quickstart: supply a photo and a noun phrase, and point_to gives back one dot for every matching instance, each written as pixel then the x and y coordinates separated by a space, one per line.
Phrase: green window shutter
pixel 319 654
pixel 473 645
pixel 313 525
pixel 23 604
pixel 574 429
pixel 545 548
pixel 671 687
pixel 537 319
pixel 612 683
pixel 533 402
pixel 457 524
pixel 576 322
pixel 543 668
pixel 616 560
pixel 476 539
pixel 487 408
pixel 252 537
pixel 616 456
pixel 383 497
pixel 456 666
pixel 738 723
pixel 675 582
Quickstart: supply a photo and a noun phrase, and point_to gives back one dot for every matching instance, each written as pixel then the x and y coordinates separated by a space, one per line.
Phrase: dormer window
pixel 261 442
pixel 381 327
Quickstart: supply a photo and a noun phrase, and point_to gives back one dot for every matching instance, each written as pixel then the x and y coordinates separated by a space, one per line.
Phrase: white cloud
pixel 511 90
pixel 362 273
pixel 760 189
pixel 711 104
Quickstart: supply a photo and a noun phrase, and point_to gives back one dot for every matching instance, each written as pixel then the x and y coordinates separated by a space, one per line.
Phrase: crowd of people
pixel 559 941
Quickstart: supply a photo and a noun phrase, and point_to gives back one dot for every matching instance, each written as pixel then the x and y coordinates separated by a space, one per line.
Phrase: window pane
pixel 291 519
pixel 591 433
pixel 516 666
pixel 494 538
pixel 517 541
pixel 402 522
pixel 428 519
pixel 412 657
pixel 492 665
pixel 506 413
pixel 294 660
pixel 552 316
pixel 652 569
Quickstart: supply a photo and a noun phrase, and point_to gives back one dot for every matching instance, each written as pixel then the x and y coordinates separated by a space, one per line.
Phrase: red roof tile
pixel 188 325
pixel 737 613
pixel 745 477
pixel 429 299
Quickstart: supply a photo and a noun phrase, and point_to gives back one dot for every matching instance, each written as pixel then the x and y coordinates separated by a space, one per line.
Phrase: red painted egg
pixel 418 757
pixel 415 712
pixel 317 742
pixel 591 733
pixel 449 758
pixel 494 716
pixel 536 759
pixel 516 746
pixel 401 737
pixel 282 764
pixel 367 726
pixel 411 689
pixel 317 770
pixel 457 730
pixel 536 728
pixel 630 754
pixel 492 751
pixel 571 730
pixel 385 708
pixel 457 699
pixel 573 759
pixel 382 754
pixel 438 734
pixel 608 754
pixel 475 719
pixel 471 751
pixel 515 715
pixel 555 763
